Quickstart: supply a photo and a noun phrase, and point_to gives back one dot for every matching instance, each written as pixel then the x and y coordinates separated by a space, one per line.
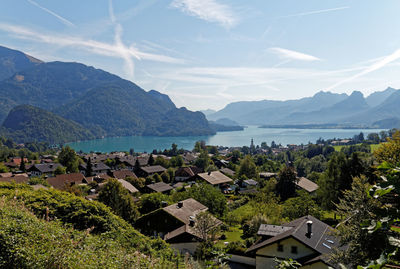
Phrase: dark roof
pixel 45 167
pixel 251 182
pixel 153 169
pixel 307 184
pixel 96 166
pixel 190 207
pixel 181 230
pixel 122 174
pixel 272 230
pixel 128 186
pixel 227 171
pixel 215 177
pixel 159 187
pixel 184 172
pixel 59 181
pixel 321 240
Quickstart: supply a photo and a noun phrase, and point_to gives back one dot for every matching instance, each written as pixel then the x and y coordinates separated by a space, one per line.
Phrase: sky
pixel 207 53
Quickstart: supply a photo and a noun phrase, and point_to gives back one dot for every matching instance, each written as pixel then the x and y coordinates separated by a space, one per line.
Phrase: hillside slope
pixel 26 123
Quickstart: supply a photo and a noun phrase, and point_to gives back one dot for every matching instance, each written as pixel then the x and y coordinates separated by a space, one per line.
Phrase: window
pixel 280 248
pixel 294 250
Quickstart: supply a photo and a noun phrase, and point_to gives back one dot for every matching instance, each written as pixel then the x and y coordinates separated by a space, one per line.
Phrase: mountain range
pixel 379 110
pixel 93 102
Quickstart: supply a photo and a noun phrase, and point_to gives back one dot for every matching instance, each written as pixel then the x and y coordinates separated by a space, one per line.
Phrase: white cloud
pixel 293 55
pixel 208 10
pixel 117 50
pixel 380 63
pixel 62 19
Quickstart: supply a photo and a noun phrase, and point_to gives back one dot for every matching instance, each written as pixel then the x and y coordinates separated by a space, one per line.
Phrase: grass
pixel 233 234
pixel 373 147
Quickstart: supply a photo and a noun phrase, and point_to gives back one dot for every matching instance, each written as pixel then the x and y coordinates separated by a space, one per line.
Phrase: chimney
pixel 164 204
pixel 191 221
pixel 180 204
pixel 309 228
pixel 209 172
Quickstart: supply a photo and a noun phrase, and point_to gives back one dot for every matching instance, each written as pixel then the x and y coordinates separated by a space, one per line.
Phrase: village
pixel 255 203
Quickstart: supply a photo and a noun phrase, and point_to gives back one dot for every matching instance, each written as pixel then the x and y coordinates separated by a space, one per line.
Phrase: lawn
pixel 233 234
pixel 373 147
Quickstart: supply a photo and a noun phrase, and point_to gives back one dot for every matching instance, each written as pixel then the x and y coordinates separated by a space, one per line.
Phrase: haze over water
pixel 227 139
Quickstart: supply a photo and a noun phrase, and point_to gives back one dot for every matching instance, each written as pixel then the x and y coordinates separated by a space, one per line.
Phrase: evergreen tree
pixel 286 186
pixel 22 165
pixel 151 160
pixel 89 168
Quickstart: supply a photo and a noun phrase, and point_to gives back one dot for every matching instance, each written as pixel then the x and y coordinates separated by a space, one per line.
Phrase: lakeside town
pixel 244 207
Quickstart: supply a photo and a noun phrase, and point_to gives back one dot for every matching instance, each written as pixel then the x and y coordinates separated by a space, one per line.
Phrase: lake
pixel 228 139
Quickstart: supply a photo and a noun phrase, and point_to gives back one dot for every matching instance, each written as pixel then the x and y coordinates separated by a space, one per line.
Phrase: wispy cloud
pixel 208 10
pixel 293 55
pixel 62 19
pixel 116 49
pixel 380 63
pixel 315 12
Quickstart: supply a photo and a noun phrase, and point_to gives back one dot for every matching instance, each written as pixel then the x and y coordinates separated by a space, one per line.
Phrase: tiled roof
pixel 306 184
pixel 190 207
pixel 45 167
pixel 59 181
pixel 153 169
pixel 215 177
pixel 122 174
pixel 159 187
pixel 128 186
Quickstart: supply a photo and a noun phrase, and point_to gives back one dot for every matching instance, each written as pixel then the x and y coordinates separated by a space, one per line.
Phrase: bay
pixel 227 139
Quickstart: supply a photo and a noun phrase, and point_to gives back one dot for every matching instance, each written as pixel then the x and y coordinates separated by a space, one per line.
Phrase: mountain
pixel 162 99
pixel 227 122
pixel 377 98
pixel 12 61
pixel 122 108
pixel 272 112
pixel 336 113
pixel 26 123
pixel 208 112
pixel 104 103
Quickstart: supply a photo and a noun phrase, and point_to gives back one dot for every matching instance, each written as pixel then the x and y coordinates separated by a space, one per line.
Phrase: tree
pixel 203 160
pixel 302 205
pixel 151 160
pixel 152 201
pixel 206 225
pixel 356 207
pixel 89 168
pixel 286 186
pixel 114 195
pixel 207 195
pixel 248 167
pixel 69 159
pixel 137 182
pixel 22 165
pixel 176 161
pixel 60 170
pixel 389 152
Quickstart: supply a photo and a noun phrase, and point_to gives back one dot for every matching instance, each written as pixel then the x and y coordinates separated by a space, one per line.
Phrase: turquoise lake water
pixel 228 139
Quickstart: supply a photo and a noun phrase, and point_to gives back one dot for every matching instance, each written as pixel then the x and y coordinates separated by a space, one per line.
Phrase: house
pixel 61 181
pixel 150 170
pixel 268 175
pixel 128 186
pixel 97 168
pixel 184 173
pixel 249 183
pixel 159 187
pixel 215 178
pixel 228 172
pixel 306 184
pixel 98 178
pixel 122 174
pixel 15 178
pixel 17 161
pixel 306 240
pixel 175 224
pixel 40 169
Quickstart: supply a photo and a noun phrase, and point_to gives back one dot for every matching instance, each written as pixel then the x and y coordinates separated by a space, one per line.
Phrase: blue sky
pixel 208 53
